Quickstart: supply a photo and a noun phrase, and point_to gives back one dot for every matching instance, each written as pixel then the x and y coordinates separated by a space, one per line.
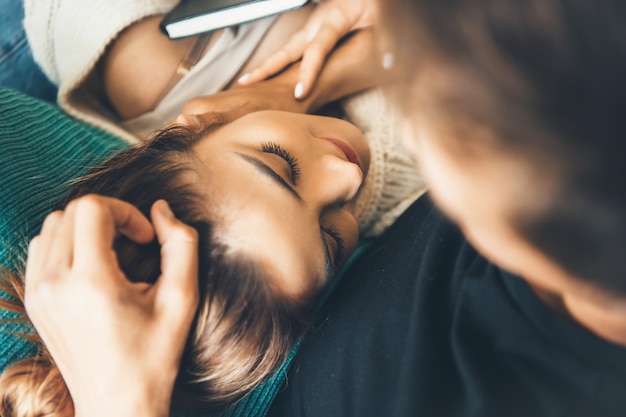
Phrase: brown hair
pixel 243 330
pixel 541 81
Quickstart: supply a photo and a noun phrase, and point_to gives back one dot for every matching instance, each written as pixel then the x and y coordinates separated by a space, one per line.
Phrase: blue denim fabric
pixel 18 70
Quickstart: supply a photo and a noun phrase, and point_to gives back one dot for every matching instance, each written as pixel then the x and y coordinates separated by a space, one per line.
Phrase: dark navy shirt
pixel 421 325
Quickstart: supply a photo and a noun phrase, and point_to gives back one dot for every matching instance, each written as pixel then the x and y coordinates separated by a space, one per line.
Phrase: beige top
pixel 393 181
pixel 68 37
pixel 211 74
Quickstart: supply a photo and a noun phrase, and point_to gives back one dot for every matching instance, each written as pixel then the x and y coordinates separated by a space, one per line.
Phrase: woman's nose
pixel 342 180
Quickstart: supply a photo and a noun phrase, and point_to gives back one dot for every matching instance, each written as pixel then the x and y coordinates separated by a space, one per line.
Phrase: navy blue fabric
pixel 18 70
pixel 421 325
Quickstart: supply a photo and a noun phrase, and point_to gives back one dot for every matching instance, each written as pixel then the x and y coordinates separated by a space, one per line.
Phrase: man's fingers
pixel 34 263
pixel 40 272
pixel 99 219
pixel 179 257
pixel 37 260
pixel 49 228
pixel 287 54
pixel 314 57
pixel 61 250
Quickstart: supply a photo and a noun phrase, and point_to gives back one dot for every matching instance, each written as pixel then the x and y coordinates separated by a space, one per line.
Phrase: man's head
pixel 516 113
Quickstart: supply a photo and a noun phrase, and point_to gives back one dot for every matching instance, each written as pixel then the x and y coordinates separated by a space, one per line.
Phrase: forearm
pixel 121 355
pixel 352 67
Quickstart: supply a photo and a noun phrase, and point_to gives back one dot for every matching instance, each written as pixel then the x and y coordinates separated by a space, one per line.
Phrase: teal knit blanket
pixel 41 151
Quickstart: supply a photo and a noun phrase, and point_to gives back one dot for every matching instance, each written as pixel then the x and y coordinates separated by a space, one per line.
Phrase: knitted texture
pixel 41 151
pixel 68 38
pixel 393 181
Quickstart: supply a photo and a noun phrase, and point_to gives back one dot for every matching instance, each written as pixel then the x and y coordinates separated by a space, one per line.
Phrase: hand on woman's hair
pixel 226 106
pixel 331 20
pixel 117 344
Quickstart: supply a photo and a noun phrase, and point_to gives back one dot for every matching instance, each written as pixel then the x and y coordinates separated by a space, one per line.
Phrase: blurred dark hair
pixel 546 79
pixel 243 331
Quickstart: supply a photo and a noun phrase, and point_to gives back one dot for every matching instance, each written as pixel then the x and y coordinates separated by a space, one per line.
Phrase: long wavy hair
pixel 243 330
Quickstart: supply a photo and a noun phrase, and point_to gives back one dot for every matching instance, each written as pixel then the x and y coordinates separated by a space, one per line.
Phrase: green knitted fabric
pixel 41 151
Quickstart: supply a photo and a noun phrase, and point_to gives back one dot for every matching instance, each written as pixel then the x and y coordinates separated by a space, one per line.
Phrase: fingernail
pixel 165 210
pixel 297 92
pixel 388 60
pixel 244 78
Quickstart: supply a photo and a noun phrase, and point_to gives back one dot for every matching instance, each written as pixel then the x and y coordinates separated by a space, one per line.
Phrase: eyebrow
pixel 269 172
pixel 265 169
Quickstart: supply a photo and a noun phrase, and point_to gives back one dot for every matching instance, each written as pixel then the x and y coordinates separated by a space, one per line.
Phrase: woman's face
pixel 284 187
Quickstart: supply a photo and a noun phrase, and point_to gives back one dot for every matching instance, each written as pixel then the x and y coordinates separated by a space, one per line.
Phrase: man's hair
pixel 547 79
pixel 242 331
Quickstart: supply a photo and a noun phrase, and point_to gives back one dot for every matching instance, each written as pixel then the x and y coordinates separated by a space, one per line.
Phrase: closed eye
pixel 340 245
pixel 276 149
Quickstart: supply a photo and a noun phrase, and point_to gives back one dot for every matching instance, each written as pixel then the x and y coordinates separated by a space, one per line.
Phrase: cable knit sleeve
pixel 68 37
pixel 393 181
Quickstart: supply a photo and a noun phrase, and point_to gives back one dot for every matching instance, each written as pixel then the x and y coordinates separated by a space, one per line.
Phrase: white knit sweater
pixel 393 181
pixel 68 37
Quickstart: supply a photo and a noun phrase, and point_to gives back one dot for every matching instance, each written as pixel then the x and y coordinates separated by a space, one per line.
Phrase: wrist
pixel 285 83
pixel 115 407
pixel 126 400
pixel 352 67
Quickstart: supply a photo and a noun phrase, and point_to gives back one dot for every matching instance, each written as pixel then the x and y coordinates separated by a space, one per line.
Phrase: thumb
pixel 199 115
pixel 179 258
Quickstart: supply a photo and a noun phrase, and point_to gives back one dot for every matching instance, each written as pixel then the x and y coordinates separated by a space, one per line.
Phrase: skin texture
pixel 136 363
pixel 330 21
pixel 112 339
pixel 262 218
pixel 162 313
pixel 351 67
pixel 133 76
pixel 478 194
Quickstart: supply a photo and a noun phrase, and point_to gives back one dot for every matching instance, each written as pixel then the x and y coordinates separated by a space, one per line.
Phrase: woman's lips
pixel 347 150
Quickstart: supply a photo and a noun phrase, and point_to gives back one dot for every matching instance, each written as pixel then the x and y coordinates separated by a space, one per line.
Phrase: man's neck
pixel 605 319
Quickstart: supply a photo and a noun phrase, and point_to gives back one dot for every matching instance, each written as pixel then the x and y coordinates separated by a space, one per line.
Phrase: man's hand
pixel 331 21
pixel 237 102
pixel 351 67
pixel 117 344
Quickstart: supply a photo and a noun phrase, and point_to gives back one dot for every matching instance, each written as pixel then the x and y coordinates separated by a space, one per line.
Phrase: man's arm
pixel 120 355
pixel 330 21
pixel 352 67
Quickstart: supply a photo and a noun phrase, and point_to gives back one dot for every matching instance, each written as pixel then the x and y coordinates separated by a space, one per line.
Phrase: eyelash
pixel 341 246
pixel 276 149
